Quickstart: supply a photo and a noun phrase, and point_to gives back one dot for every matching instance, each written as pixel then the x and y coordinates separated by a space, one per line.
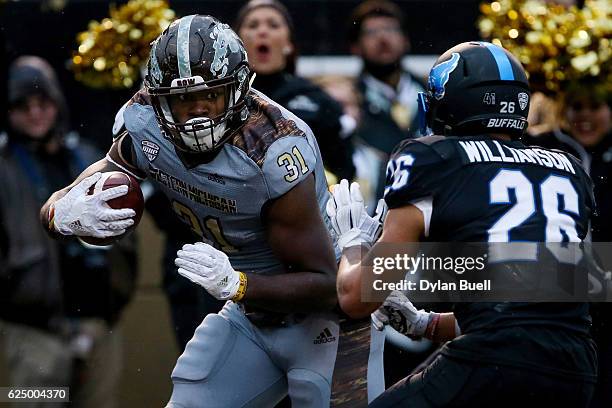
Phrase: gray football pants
pixel 230 362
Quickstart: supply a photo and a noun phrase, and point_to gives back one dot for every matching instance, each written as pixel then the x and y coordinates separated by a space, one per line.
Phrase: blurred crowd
pixel 60 301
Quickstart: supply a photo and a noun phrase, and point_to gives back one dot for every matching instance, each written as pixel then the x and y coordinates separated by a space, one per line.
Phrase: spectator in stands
pixel 377 34
pixel 343 89
pixel 59 301
pixel 266 28
pixel 586 131
pixel 542 113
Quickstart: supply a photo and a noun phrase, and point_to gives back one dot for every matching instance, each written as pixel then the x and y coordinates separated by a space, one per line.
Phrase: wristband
pixel 241 288
pixel 434 319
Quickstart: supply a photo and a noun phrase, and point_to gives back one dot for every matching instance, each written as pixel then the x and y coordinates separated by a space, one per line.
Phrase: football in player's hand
pixel 132 199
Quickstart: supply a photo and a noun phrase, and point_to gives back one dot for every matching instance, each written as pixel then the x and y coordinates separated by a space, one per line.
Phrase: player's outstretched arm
pixel 300 239
pixel 403 224
pixel 115 160
pixel 398 312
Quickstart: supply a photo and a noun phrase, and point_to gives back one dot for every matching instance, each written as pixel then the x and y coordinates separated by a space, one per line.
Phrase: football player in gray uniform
pixel 247 176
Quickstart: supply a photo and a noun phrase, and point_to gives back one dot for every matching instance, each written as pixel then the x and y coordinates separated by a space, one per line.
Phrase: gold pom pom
pixel 111 52
pixel 556 43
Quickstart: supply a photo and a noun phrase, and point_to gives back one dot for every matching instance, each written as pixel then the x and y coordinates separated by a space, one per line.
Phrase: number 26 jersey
pixel 483 189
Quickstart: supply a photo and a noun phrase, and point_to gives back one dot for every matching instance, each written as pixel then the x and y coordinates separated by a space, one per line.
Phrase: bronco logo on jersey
pixel 438 77
pixel 150 149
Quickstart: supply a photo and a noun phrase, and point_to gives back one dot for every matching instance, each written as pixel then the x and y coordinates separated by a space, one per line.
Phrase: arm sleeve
pixel 289 160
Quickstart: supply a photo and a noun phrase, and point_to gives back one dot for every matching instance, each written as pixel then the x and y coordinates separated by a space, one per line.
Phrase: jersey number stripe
pixel 555 191
pixel 398 170
pixel 211 224
pixel 286 159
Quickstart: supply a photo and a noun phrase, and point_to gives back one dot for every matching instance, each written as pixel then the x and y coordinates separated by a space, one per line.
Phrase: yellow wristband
pixel 241 288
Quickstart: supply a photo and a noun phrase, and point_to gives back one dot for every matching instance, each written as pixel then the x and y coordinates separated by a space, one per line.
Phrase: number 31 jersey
pixel 223 200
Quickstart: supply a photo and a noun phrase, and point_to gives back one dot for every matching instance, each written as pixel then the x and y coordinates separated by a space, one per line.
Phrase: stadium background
pixel 35 27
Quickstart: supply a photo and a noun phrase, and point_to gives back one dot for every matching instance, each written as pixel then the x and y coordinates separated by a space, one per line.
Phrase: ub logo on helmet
pixel 198 60
pixel 463 87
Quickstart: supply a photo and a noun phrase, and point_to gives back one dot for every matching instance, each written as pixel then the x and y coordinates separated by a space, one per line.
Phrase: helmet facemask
pixel 430 114
pixel 224 102
pixel 195 57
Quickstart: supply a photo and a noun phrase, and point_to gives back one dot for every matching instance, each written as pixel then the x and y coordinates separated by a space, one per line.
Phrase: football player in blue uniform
pixel 474 181
pixel 247 176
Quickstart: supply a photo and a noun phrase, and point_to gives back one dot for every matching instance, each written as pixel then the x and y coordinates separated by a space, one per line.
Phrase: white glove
pixel 78 213
pixel 398 312
pixel 209 268
pixel 349 217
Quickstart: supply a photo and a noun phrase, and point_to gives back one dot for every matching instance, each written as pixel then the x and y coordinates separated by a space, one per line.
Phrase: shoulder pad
pixel 119 124
pixel 430 147
pixel 429 140
pixel 416 168
pixel 141 97
pixel 138 117
pixel 264 127
pixel 288 161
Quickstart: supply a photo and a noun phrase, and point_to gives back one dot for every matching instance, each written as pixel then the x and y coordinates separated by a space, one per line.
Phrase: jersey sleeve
pixel 289 160
pixel 141 97
pixel 138 120
pixel 414 172
pixel 119 124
